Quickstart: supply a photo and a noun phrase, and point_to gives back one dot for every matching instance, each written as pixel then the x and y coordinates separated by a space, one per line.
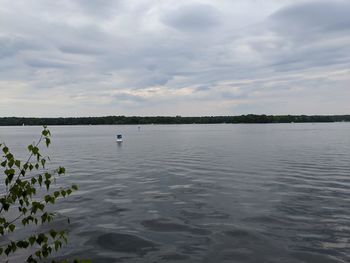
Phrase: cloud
pixel 314 17
pixel 311 34
pixel 47 63
pixel 195 17
pixel 11 45
pixel 164 57
pixel 99 8
pixel 80 50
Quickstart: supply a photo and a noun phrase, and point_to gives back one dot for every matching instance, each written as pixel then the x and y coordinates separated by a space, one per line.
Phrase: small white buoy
pixel 119 138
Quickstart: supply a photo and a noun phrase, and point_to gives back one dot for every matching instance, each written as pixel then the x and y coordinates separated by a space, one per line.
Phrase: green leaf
pixel 52 200
pixel 5 150
pixel 33 180
pixel 58 244
pixel 40 179
pixel 47 142
pixel 43 161
pixel 47 198
pixel 38 254
pixel 40 239
pixel 18 163
pixel 53 233
pixel 47 175
pixel 35 150
pixel 44 217
pixel 10 171
pixel 32 239
pixel 8 250
pixel 41 207
pixel 22 244
pixel 47 183
pixel 11 163
pixel 61 170
pixel 30 147
pixel 12 227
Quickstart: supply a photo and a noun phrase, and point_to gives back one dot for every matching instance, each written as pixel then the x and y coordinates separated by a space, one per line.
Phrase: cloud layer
pixel 99 57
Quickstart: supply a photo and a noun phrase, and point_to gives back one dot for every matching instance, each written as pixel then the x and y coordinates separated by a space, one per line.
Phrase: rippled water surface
pixel 203 193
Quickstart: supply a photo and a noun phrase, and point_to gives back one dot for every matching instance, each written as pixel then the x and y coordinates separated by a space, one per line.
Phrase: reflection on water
pixel 204 193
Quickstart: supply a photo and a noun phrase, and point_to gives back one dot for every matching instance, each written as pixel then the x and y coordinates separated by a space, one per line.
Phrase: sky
pixel 161 57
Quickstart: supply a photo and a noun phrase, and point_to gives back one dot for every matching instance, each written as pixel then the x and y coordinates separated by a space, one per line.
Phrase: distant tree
pixel 25 195
pixel 120 120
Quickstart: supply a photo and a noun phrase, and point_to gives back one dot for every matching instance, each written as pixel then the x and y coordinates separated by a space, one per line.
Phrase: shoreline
pixel 169 120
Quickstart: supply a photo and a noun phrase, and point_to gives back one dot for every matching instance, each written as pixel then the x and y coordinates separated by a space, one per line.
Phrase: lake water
pixel 203 193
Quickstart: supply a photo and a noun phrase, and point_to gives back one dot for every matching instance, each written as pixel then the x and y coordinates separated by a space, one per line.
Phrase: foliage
pixel 24 200
pixel 250 118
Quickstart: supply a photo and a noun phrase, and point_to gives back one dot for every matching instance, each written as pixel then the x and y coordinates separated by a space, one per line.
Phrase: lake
pixel 202 193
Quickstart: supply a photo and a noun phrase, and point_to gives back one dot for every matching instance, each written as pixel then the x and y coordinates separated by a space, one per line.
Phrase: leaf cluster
pixel 23 201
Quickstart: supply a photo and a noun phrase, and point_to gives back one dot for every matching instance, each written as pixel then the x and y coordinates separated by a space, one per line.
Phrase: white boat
pixel 119 138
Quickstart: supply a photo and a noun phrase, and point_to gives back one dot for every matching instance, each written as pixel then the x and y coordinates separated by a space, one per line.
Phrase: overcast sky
pixel 183 57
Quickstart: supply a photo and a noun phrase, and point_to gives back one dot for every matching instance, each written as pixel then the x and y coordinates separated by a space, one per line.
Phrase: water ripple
pixel 204 193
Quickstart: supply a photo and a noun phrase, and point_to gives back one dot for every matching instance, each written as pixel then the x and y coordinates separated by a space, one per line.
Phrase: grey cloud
pixel 305 35
pixel 148 79
pixel 80 50
pixel 47 63
pixel 123 47
pixel 156 79
pixel 202 88
pixel 194 17
pixel 311 57
pixel 100 8
pixel 11 45
pixel 314 17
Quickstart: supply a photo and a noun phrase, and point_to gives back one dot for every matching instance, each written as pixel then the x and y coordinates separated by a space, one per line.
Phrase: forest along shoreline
pixel 121 120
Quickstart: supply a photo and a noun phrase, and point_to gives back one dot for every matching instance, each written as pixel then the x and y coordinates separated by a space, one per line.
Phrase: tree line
pixel 120 120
